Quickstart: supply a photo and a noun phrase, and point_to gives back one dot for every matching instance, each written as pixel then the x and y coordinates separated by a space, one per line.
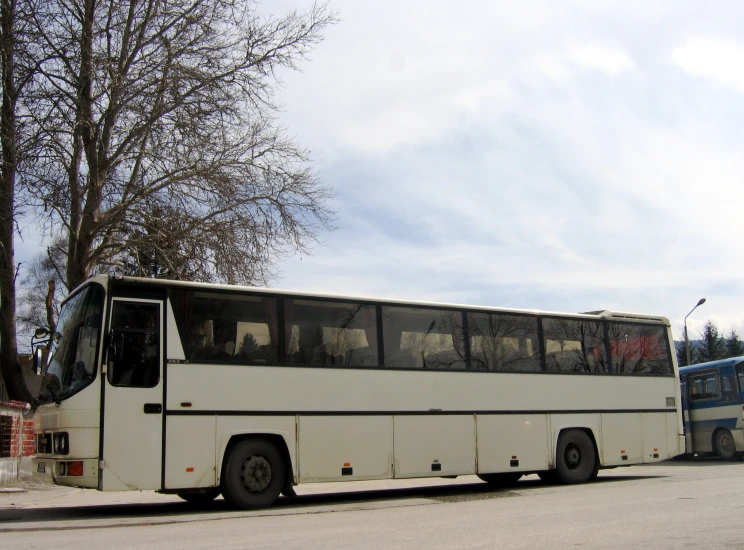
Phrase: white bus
pixel 201 389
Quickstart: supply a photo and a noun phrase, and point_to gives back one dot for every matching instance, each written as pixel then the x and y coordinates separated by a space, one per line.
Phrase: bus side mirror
pixel 38 360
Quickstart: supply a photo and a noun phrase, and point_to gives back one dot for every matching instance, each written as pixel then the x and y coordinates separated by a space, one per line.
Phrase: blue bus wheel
pixel 724 444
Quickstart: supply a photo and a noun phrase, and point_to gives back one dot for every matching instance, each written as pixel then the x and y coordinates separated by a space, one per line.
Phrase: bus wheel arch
pixel 576 456
pixel 264 452
pixel 723 444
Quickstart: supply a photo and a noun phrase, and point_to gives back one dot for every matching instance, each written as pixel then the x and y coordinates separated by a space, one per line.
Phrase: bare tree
pixel 43 288
pixel 157 132
pixel 17 70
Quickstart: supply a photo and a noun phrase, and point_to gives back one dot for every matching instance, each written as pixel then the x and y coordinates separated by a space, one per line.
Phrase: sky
pixel 563 156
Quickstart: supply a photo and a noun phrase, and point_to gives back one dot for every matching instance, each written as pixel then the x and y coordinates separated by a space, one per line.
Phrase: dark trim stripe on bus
pixel 432 412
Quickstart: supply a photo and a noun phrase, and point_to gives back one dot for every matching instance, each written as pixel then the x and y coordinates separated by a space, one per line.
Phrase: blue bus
pixel 713 407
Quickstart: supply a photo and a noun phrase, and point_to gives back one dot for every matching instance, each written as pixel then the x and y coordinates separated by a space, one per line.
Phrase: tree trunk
pixel 84 222
pixel 51 321
pixel 9 364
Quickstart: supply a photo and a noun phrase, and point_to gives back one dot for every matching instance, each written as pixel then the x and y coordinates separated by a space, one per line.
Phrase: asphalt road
pixel 670 505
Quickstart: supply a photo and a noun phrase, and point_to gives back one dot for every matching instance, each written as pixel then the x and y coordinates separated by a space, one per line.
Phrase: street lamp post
pixel 687 339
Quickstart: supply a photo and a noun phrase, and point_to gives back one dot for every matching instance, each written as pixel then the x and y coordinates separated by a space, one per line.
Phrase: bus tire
pixel 575 457
pixel 724 444
pixel 201 497
pixel 253 474
pixel 505 479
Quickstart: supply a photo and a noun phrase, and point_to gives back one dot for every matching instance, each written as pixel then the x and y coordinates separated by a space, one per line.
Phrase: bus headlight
pixel 44 443
pixel 61 443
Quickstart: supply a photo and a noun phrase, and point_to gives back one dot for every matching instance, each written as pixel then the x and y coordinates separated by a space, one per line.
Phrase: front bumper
pixel 59 470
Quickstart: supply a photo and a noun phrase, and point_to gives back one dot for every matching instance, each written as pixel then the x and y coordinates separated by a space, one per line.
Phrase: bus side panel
pixel 675 443
pixel 436 445
pixel 345 448
pixel 229 427
pixel 707 416
pixel 190 459
pixel 621 437
pixel 502 438
pixel 655 437
pixel 686 422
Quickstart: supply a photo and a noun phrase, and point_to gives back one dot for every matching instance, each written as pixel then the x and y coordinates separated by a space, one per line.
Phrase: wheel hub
pixel 256 474
pixel 727 444
pixel 573 456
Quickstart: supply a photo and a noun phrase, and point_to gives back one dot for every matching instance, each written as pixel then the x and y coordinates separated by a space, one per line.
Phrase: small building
pixel 17 446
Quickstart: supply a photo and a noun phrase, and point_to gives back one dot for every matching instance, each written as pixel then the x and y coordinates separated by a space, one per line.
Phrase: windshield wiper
pixel 49 394
pixel 55 395
pixel 44 396
pixel 39 398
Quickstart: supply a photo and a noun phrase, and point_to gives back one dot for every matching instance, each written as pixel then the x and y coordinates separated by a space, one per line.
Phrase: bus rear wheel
pixel 253 474
pixel 506 479
pixel 575 457
pixel 724 444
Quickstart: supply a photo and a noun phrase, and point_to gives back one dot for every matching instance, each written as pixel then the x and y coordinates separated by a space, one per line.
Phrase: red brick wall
pixel 21 434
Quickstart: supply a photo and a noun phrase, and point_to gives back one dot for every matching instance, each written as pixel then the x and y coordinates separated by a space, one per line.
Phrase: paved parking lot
pixel 670 505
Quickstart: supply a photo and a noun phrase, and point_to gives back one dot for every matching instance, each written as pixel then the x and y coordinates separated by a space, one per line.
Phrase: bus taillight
pixel 71 468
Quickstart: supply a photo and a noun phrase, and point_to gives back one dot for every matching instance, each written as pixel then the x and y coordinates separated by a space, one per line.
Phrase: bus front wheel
pixel 575 457
pixel 725 447
pixel 253 474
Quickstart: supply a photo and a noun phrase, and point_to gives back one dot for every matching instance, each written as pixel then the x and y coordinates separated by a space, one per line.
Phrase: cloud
pixel 610 61
pixel 557 167
pixel 606 60
pixel 720 61
pixel 544 155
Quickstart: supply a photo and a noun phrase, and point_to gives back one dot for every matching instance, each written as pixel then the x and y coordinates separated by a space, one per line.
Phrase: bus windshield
pixel 73 346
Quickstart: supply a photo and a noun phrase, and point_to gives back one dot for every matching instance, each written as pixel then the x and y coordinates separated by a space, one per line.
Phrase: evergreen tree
pixel 734 345
pixel 712 346
pixel 681 351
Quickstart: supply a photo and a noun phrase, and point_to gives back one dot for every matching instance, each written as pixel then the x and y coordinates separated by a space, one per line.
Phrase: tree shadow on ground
pixel 311 503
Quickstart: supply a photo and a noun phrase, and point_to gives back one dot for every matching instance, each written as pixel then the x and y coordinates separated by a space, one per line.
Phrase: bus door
pixel 689 445
pixel 133 397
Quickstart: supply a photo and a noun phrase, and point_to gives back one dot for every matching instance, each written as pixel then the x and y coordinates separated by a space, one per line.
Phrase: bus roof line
pixel 605 314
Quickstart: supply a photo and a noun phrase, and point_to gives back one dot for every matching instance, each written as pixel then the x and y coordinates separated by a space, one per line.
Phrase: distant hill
pixel 693 343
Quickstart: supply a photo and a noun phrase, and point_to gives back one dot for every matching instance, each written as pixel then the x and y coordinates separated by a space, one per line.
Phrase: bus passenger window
pixel 500 342
pixel 740 376
pixel 639 349
pixel 423 338
pixel 696 389
pixel 325 333
pixel 704 386
pixel 574 346
pixel 221 328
